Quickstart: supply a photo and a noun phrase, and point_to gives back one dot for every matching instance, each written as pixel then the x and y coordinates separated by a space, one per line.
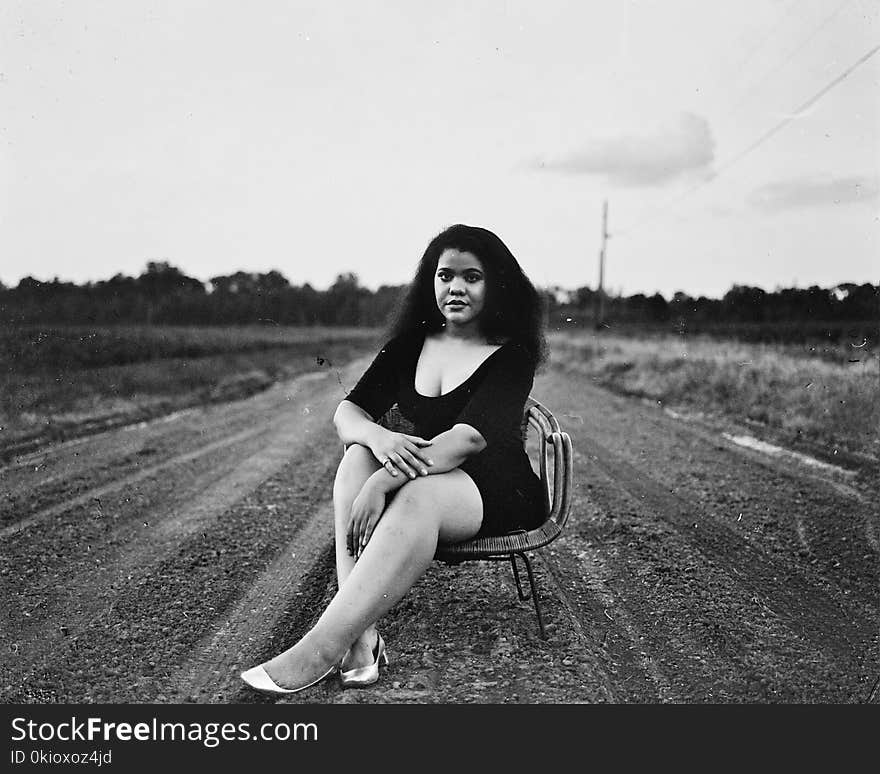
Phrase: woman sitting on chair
pixel 459 363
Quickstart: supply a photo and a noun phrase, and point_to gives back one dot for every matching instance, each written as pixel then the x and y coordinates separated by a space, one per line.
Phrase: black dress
pixel 491 400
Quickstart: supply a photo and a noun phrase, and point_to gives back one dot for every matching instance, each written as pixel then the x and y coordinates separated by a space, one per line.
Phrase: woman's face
pixel 459 288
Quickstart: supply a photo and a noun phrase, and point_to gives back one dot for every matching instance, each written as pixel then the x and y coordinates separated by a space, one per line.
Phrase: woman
pixel 459 363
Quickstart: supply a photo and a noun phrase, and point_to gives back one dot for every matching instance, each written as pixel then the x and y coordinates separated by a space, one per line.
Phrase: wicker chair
pixel 555 466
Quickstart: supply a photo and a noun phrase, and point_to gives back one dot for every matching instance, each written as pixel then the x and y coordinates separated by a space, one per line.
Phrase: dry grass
pixel 827 401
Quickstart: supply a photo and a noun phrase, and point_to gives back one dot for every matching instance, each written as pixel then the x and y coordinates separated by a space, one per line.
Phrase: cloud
pixel 814 192
pixel 650 159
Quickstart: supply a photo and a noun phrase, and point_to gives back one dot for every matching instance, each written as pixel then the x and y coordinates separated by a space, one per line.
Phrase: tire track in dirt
pixel 144 536
pixel 798 604
pixel 126 482
pixel 771 500
pixel 640 605
pixel 154 621
pixel 770 497
pixel 770 623
pixel 138 520
pixel 830 513
pixel 295 440
pixel 63 471
pixel 713 639
pixel 247 633
pixel 633 675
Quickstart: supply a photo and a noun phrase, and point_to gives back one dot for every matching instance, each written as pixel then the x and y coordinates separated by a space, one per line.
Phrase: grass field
pixel 831 340
pixel 825 394
pixel 56 383
pixel 41 349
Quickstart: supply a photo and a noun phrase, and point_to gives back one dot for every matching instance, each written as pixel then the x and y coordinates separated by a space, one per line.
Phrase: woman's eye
pixel 474 278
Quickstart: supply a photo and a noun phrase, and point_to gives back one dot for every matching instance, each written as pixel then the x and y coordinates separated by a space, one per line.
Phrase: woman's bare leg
pixel 445 507
pixel 357 465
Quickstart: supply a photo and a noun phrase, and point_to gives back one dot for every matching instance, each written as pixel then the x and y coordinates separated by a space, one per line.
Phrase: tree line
pixel 164 295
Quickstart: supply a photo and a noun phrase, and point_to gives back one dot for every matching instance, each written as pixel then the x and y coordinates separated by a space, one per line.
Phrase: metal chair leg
pixel 519 590
pixel 533 593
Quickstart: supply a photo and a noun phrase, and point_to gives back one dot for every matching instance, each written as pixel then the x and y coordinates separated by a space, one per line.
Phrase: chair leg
pixel 523 597
pixel 533 590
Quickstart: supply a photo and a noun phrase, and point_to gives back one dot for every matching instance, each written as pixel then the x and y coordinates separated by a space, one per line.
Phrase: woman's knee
pixel 356 467
pixel 357 463
pixel 433 497
pixel 357 452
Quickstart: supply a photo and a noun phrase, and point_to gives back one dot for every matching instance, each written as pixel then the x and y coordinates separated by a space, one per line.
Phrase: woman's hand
pixel 400 452
pixel 366 510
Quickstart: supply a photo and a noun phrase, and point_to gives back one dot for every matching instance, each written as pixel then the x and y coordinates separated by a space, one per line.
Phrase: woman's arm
pixel 495 409
pixel 353 424
pixel 403 452
pixel 448 450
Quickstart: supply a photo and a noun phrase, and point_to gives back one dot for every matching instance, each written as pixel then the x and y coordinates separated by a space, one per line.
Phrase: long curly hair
pixel 513 310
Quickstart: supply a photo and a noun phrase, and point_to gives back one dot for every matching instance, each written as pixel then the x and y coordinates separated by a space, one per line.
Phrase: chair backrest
pixel 554 460
pixel 554 454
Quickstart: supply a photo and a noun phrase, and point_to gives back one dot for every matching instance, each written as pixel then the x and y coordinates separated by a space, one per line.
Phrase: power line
pixel 782 17
pixel 791 117
pixel 753 146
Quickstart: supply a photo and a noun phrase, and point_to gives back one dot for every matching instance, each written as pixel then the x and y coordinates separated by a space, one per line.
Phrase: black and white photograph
pixel 461 353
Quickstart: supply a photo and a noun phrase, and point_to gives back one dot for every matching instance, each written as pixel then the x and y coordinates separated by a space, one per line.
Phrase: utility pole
pixel 600 301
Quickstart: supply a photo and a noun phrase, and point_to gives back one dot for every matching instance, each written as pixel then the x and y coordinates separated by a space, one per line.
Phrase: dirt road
pixel 153 562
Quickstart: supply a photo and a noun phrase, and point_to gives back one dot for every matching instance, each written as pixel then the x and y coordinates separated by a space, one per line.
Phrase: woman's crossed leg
pixel 443 507
pixel 357 465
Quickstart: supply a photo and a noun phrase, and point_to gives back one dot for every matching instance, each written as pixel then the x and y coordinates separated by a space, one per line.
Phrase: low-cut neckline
pixel 458 386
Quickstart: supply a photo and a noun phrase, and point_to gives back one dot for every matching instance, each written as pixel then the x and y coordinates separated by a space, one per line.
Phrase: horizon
pixel 610 292
pixel 738 148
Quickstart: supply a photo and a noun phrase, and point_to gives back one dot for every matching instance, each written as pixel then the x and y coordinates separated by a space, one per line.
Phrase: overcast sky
pixel 323 137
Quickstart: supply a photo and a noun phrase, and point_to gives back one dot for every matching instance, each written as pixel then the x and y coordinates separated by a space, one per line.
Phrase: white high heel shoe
pixel 361 677
pixel 258 679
